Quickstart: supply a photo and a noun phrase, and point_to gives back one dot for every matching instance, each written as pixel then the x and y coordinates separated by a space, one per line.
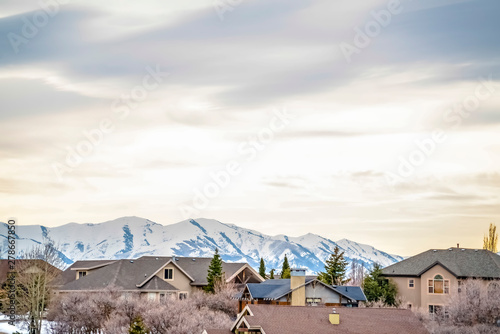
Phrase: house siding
pixel 180 280
pixel 320 291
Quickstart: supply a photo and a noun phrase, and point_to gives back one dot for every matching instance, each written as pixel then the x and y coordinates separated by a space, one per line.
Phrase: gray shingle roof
pixel 458 261
pixel 196 267
pixel 127 274
pixel 69 275
pixel 156 284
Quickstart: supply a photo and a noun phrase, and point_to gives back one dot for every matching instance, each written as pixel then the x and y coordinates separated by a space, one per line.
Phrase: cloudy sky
pixel 378 122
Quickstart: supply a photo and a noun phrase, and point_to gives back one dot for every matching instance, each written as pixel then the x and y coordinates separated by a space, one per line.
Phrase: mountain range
pixel 132 237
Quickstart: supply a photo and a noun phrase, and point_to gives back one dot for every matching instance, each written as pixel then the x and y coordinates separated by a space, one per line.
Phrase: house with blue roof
pixel 301 290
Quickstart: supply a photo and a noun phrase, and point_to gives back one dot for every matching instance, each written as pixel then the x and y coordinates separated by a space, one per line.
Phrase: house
pixel 268 319
pixel 428 279
pixel 301 290
pixel 154 277
pixel 27 266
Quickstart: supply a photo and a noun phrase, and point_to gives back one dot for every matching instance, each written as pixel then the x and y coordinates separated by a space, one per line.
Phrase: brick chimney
pixel 298 278
pixel 334 317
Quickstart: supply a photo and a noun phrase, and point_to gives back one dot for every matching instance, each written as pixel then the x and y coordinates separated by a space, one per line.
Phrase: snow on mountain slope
pixel 132 237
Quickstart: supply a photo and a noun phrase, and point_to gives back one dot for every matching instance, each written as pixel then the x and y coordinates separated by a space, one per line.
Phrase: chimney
pixel 458 245
pixel 334 317
pixel 298 278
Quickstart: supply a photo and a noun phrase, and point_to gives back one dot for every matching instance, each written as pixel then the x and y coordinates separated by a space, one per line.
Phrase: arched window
pixel 439 285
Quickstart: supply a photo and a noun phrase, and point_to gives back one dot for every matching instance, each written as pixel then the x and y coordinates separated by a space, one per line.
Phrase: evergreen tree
pixel 138 327
pixel 214 275
pixel 285 267
pixel 262 268
pixel 335 269
pixel 490 242
pixel 271 274
pixel 286 274
pixel 378 288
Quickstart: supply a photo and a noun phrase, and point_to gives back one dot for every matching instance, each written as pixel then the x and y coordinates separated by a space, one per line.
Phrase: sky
pixel 377 122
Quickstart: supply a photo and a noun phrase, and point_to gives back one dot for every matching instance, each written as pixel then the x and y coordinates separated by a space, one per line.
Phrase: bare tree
pixel 357 273
pixel 490 241
pixel 476 309
pixel 37 272
pixel 112 313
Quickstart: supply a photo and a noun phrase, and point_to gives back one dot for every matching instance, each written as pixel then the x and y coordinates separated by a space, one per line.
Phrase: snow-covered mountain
pixel 132 237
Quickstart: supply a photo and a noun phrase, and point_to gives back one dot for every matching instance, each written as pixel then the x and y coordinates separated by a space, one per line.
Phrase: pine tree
pixel 214 275
pixel 262 268
pixel 490 242
pixel 335 269
pixel 285 269
pixel 138 327
pixel 378 288
pixel 271 274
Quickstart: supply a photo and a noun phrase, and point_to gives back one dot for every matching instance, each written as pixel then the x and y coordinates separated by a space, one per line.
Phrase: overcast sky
pixel 376 121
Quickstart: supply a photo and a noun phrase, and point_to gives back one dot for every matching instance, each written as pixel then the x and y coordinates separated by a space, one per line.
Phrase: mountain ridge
pixel 132 237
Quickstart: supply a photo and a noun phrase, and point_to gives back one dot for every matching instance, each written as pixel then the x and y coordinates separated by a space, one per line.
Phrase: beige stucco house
pixel 428 279
pixel 152 277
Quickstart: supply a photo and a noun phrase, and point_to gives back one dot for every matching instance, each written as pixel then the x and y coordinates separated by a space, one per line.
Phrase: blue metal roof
pixel 351 292
pixel 273 289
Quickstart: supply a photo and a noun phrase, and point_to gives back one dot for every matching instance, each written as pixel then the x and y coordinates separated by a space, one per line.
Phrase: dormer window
pixel 439 285
pixel 169 274
pixel 81 274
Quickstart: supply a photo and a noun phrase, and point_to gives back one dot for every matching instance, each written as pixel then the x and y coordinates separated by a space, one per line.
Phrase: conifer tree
pixel 285 269
pixel 271 274
pixel 335 269
pixel 214 275
pixel 138 327
pixel 490 242
pixel 378 288
pixel 262 268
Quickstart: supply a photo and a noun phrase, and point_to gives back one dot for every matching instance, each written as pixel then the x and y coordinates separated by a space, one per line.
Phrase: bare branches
pixel 109 312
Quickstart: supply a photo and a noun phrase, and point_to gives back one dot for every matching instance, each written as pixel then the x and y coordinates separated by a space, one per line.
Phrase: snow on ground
pixel 5 328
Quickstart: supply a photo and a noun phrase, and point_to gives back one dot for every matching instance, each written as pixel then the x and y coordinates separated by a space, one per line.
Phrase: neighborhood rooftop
pixel 460 262
pixel 133 274
pixel 305 320
pixel 275 289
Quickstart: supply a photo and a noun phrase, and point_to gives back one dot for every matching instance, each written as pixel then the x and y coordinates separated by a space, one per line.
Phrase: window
pixel 313 301
pixel 447 287
pixel 411 283
pixel 82 274
pixel 439 285
pixel 438 310
pixel 152 296
pixel 183 295
pixel 169 274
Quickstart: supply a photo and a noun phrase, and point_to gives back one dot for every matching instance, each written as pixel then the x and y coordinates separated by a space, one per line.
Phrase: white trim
pixel 173 274
pixel 92 268
pixel 163 267
pixel 240 315
pixel 246 266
